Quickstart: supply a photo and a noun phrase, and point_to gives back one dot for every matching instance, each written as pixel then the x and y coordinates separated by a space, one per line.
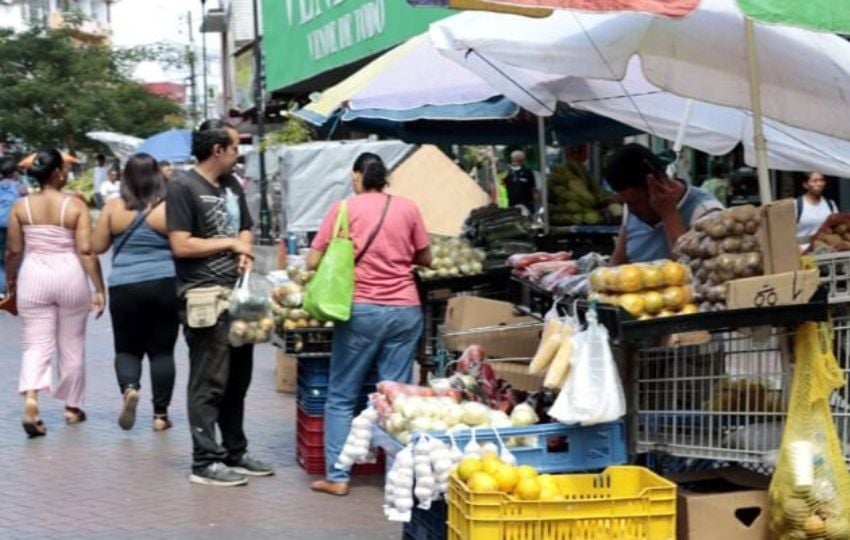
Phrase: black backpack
pixel 832 207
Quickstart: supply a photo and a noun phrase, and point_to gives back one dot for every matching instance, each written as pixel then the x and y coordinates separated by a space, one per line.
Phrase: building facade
pixel 22 14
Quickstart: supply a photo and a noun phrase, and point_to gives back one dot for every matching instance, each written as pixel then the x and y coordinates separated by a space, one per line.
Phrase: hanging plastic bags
pixel 331 291
pixel 593 392
pixel 810 490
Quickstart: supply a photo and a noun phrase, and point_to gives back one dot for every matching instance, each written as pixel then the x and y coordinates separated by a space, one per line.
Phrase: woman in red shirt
pixel 386 318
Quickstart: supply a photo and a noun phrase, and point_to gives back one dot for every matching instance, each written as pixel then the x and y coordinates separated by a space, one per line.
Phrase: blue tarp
pixel 174 145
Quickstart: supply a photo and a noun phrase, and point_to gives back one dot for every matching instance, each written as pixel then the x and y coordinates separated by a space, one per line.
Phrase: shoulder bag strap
pixel 374 232
pixel 117 249
pixel 799 208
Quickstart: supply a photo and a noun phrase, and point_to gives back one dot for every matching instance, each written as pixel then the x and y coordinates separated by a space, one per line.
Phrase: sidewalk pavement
pixel 95 481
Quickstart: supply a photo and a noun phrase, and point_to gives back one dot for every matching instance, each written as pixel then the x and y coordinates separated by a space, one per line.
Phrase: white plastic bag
pixel 593 392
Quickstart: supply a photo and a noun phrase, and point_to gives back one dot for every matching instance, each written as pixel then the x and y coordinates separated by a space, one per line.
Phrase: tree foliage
pixel 56 88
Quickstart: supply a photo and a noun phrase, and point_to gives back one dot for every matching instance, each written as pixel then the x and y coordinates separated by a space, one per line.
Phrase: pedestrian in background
pixel 386 319
pixel 521 184
pixel 812 208
pixel 718 184
pixel 100 177
pixel 111 189
pixel 167 169
pixel 52 231
pixel 11 189
pixel 142 287
pixel 209 228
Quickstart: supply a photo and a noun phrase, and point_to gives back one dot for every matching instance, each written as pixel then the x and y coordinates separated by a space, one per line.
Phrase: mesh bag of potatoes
pixel 810 490
pixel 721 247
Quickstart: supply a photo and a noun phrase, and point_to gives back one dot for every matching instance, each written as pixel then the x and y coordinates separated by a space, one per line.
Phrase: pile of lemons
pixel 490 474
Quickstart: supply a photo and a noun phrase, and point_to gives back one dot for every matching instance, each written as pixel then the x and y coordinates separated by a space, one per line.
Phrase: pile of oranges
pixel 658 289
pixel 490 474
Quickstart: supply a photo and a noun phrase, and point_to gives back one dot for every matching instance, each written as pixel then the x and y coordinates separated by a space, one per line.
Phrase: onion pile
pixel 453 257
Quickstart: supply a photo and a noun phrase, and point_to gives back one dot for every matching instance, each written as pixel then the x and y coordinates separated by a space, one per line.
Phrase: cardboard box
pixel 516 374
pixel 729 504
pixel 778 237
pixel 502 334
pixel 443 192
pixel 772 290
pixel 286 373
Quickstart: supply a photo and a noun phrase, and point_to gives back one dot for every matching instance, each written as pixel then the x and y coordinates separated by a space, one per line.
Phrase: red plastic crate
pixel 312 459
pixel 310 422
pixel 308 436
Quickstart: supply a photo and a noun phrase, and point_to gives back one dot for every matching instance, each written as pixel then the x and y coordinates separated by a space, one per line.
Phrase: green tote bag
pixel 331 291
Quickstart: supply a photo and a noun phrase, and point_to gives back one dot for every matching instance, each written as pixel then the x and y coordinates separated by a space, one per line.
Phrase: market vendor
pixel 657 209
pixel 521 184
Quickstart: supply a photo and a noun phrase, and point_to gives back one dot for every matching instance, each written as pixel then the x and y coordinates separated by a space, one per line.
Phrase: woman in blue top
pixel 142 287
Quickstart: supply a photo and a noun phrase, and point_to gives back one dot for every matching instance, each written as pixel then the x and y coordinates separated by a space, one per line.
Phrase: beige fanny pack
pixel 204 305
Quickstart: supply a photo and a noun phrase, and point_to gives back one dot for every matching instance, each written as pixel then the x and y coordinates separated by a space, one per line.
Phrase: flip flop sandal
pixel 34 428
pixel 74 415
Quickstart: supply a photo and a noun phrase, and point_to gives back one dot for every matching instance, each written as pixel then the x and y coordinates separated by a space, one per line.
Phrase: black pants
pixel 145 322
pixel 219 377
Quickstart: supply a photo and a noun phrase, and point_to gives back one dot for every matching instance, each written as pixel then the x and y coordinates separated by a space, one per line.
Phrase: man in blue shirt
pixel 658 209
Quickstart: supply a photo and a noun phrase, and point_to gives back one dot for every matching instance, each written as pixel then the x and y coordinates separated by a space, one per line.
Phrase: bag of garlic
pixel 810 490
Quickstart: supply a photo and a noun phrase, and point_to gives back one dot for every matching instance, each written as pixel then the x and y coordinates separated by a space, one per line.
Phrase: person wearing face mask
pixel 386 319
pixel 657 209
pixel 520 183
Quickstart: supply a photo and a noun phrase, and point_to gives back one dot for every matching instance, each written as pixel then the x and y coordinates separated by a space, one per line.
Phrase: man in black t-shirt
pixel 520 183
pixel 209 229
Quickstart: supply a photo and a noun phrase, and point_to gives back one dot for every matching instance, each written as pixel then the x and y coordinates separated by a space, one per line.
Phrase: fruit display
pixel 833 236
pixel 286 300
pixel 576 199
pixel 489 473
pixel 645 290
pixel 453 257
pixel 403 413
pixel 721 247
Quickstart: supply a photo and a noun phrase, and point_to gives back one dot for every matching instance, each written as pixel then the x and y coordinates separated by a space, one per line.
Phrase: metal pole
pixel 260 108
pixel 544 184
pixel 758 128
pixel 204 60
pixel 192 74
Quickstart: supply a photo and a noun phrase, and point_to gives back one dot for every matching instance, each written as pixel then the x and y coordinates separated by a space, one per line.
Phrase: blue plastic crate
pixel 316 371
pixel 316 377
pixel 427 524
pixel 312 399
pixel 559 448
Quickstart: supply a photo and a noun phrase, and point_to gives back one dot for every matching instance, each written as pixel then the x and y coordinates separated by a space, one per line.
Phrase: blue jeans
pixel 3 233
pixel 382 335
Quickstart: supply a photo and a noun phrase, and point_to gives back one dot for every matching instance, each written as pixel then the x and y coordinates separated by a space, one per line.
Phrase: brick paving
pixel 95 481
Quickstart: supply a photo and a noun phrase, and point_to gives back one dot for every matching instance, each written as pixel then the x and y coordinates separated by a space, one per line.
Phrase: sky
pixel 141 22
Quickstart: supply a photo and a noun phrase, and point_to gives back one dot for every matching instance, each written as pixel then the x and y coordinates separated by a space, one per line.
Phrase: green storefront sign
pixel 303 38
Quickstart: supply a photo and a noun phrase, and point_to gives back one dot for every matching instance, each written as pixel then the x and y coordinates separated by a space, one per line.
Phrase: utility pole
pixel 260 108
pixel 193 78
pixel 204 60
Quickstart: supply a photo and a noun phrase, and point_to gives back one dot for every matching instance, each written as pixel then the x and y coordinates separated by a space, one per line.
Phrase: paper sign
pixel 774 290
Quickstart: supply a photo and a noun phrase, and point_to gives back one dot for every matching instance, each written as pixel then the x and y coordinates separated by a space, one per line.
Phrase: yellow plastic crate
pixel 620 503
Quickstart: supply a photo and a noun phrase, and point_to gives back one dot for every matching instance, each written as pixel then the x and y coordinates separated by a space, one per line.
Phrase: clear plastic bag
pixel 593 392
pixel 250 300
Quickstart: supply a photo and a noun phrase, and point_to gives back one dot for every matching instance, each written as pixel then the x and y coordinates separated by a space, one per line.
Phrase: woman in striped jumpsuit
pixel 51 231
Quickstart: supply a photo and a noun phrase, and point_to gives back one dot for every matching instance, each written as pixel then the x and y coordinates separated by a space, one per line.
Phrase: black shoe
pixel 251 466
pixel 218 474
